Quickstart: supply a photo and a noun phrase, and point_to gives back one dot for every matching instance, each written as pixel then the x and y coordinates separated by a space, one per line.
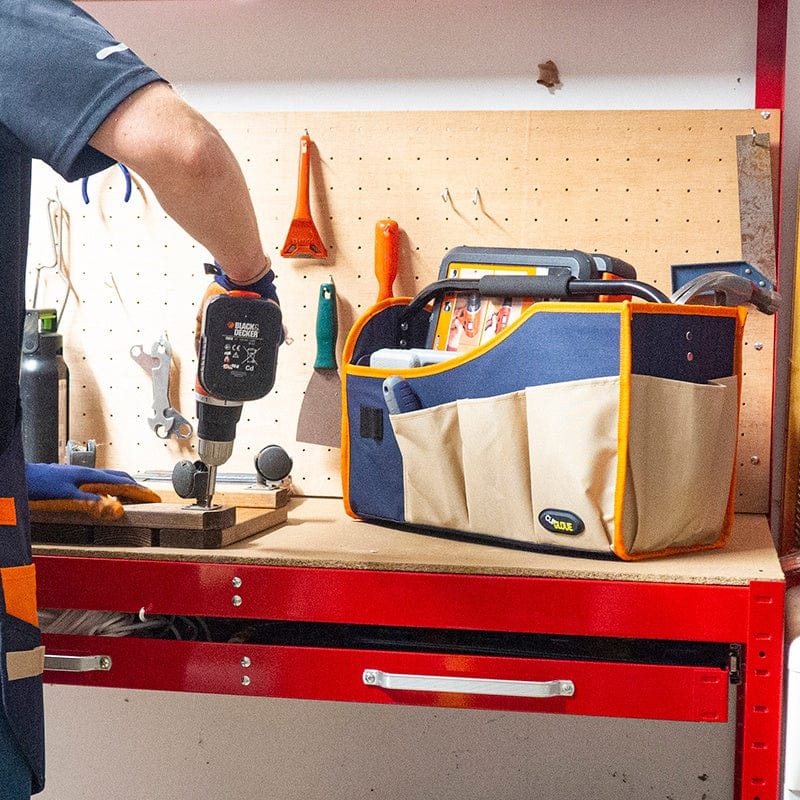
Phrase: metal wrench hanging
pixel 166 420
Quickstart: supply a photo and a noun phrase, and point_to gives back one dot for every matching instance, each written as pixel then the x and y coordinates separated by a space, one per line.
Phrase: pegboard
pixel 653 188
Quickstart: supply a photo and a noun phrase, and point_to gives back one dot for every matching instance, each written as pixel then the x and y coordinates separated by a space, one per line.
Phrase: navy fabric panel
pixel 549 348
pixel 22 699
pixel 15 774
pixel 376 468
pixel 15 543
pixel 15 187
pixel 686 347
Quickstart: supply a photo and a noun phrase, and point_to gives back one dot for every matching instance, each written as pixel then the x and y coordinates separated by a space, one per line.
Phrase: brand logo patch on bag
pixel 557 520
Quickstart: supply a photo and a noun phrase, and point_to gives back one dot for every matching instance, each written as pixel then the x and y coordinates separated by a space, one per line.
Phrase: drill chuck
pixel 214 454
pixel 216 429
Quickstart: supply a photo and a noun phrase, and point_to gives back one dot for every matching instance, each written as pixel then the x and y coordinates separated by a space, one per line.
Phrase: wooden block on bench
pixel 156 525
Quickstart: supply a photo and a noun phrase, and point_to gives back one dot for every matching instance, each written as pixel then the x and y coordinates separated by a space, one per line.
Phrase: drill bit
pixel 211 483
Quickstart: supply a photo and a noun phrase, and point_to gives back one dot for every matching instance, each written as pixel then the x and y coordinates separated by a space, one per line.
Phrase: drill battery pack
pixel 239 340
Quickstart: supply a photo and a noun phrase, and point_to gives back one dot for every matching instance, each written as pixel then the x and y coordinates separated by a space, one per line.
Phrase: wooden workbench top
pixel 319 534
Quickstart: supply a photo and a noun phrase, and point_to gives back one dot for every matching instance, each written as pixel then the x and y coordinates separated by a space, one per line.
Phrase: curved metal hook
pixel 128 185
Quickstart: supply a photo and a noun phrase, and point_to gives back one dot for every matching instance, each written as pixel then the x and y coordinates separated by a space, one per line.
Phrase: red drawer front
pixel 644 691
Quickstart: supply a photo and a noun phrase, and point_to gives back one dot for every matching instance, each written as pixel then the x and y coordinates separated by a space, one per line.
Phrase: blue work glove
pixel 222 284
pixel 264 286
pixel 100 493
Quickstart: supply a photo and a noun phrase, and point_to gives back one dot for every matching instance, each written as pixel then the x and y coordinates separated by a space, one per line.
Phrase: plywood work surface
pixel 317 533
pixel 653 188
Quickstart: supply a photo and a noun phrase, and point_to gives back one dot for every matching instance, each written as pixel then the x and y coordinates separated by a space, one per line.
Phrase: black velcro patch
pixel 371 423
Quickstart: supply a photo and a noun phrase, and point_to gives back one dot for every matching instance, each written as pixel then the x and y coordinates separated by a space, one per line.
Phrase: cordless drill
pixel 237 355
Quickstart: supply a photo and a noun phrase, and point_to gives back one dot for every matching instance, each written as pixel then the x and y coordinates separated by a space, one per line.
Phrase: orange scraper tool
pixel 303 238
pixel 387 235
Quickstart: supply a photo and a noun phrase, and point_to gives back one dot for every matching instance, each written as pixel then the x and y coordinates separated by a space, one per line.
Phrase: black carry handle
pixel 564 286
pixel 614 266
pixel 553 286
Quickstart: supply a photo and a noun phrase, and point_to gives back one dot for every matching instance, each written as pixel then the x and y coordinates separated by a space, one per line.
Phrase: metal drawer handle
pixel 495 686
pixel 58 663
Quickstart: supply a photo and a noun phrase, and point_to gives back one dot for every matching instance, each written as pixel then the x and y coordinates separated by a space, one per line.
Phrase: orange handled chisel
pixel 387 235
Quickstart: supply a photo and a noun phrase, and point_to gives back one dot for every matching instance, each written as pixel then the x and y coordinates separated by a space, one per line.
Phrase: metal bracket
pixel 57 663
pixel 735 665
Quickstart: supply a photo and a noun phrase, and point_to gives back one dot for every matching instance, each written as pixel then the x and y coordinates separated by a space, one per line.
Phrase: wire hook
pixel 128 186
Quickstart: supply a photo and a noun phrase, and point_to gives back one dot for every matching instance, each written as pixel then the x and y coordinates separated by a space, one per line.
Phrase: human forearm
pixel 209 200
pixel 192 172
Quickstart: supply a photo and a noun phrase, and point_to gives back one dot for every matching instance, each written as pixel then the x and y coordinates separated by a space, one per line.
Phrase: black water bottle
pixel 44 389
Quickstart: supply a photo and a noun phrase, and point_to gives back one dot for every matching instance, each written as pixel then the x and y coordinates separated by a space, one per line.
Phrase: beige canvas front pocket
pixel 572 439
pixel 494 446
pixel 681 453
pixel 433 473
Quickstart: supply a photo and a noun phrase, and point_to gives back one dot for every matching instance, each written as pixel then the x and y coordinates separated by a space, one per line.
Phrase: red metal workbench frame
pixel 771 53
pixel 750 615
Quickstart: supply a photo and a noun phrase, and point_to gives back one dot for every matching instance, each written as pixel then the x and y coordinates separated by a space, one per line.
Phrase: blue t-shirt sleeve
pixel 61 75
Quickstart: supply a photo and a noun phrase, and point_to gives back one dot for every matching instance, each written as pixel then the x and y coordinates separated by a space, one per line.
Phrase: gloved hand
pixel 222 284
pixel 264 286
pixel 97 492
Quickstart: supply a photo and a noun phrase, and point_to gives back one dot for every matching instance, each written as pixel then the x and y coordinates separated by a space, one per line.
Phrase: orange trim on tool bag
pixel 623 425
pixel 738 367
pixel 685 310
pixel 8 511
pixel 19 590
pixel 344 454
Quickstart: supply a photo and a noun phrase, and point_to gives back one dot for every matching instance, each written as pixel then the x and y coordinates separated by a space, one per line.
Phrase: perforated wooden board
pixel 653 188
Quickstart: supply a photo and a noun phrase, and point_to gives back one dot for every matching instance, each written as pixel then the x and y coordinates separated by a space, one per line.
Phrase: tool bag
pixel 605 428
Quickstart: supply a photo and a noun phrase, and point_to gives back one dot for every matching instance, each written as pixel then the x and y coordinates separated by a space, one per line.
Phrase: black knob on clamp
pixel 273 464
pixel 190 479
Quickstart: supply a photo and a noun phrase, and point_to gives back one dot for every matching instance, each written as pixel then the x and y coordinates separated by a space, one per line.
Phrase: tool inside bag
pixel 601 428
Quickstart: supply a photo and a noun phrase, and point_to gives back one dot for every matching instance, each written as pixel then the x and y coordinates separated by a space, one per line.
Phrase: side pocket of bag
pixel 572 437
pixel 494 444
pixel 433 472
pixel 681 455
